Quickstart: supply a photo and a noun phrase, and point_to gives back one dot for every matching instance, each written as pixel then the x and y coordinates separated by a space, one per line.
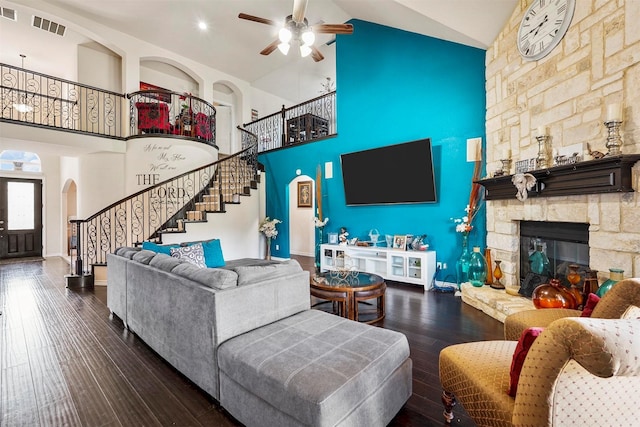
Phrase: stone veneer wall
pixel 596 64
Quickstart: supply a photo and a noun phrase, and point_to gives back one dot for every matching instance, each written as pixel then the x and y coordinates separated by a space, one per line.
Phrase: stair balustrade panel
pixel 166 207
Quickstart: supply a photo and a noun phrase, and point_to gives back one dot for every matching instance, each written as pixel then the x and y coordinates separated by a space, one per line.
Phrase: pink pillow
pixel 592 300
pixel 527 338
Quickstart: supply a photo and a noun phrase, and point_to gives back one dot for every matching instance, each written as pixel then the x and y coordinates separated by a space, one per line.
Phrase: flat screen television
pixel 401 173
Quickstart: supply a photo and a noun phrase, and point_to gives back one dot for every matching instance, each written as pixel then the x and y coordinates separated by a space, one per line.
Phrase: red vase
pixel 553 295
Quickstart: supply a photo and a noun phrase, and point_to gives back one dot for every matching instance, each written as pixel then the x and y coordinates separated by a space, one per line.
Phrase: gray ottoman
pixel 315 369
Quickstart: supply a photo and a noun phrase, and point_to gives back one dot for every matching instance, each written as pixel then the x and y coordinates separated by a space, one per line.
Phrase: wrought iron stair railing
pixel 166 207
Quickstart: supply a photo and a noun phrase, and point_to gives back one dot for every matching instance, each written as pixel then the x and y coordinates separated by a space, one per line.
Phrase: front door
pixel 20 218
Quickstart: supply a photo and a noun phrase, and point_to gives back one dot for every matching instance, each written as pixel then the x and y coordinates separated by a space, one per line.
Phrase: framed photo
pixel 400 242
pixel 304 194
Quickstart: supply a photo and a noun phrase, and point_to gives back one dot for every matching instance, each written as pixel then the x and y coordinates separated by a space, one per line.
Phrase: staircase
pixel 167 207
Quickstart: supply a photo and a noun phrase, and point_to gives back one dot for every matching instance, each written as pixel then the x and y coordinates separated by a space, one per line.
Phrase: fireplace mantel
pixel 605 175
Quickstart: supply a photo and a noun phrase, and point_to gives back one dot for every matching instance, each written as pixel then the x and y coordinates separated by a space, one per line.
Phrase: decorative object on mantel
pixel 615 275
pixel 268 228
pixel 525 165
pixel 523 182
pixel 506 163
pixel 542 138
pixel 560 160
pixel 613 122
pixel 594 154
pixel 610 174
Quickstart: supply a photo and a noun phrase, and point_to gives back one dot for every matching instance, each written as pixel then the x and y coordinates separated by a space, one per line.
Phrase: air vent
pixel 45 24
pixel 5 12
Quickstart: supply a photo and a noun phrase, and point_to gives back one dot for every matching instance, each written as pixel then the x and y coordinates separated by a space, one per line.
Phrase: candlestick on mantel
pixel 542 131
pixel 614 112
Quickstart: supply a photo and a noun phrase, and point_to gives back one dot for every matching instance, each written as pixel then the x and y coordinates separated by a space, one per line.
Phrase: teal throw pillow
pixel 161 249
pixel 213 253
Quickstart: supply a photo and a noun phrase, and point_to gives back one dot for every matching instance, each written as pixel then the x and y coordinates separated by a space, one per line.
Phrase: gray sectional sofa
pixel 246 335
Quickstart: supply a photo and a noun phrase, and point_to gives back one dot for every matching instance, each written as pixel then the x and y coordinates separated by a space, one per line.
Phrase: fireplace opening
pixel 548 248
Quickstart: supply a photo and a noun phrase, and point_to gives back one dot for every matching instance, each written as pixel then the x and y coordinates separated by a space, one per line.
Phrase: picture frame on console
pixel 304 194
pixel 400 241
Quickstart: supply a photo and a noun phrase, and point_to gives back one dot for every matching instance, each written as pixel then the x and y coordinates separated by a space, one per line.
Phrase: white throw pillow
pixel 193 254
pixel 633 312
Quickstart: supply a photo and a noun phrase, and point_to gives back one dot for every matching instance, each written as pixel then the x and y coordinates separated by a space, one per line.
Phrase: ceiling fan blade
pixel 299 8
pixel 332 28
pixel 256 19
pixel 316 54
pixel 272 46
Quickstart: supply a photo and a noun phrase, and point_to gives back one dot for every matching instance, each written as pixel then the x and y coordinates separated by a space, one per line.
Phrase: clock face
pixel 543 26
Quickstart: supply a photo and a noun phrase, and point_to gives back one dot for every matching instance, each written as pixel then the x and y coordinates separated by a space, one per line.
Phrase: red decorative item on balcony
pixel 153 117
pixel 203 127
pixel 553 295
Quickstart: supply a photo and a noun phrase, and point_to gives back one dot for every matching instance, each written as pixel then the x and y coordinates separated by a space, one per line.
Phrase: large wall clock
pixel 543 26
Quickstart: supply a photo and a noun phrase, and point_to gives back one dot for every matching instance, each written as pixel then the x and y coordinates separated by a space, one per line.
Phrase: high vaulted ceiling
pixel 232 45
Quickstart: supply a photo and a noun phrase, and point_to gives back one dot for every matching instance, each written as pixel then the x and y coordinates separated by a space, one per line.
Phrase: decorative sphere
pixel 552 295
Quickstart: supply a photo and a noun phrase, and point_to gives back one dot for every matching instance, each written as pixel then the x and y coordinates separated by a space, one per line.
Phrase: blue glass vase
pixel 540 262
pixel 462 265
pixel 318 243
pixel 477 268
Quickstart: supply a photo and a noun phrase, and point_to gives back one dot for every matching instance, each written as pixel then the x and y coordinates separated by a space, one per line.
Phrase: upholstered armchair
pixel 611 306
pixel 153 117
pixel 580 371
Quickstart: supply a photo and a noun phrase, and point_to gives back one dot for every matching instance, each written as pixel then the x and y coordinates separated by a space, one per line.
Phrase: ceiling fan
pixel 297 29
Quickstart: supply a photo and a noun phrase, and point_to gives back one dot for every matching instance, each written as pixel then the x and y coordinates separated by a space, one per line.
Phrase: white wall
pixel 99 67
pixel 150 161
pixel 302 227
pixel 100 182
pixel 168 77
pixel 237 229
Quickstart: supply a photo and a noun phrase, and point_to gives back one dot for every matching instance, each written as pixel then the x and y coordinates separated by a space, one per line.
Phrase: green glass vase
pixel 477 268
pixel 615 275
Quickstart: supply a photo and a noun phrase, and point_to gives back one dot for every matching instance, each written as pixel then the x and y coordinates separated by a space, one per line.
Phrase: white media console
pixel 417 267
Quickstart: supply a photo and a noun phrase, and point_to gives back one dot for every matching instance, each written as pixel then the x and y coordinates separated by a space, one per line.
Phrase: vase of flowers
pixel 464 227
pixel 268 228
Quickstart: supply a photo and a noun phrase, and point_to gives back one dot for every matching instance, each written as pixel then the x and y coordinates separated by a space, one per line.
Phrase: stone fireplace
pixel 613 223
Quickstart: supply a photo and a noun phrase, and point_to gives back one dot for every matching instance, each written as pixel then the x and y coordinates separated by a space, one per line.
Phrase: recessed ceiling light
pixel 202 25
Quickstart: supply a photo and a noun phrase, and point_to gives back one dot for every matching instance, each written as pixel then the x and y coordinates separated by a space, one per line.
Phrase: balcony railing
pixel 309 121
pixel 154 112
pixel 36 99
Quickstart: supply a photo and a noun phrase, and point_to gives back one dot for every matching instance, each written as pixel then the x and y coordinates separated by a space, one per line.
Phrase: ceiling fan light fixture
pixel 284 48
pixel 285 35
pixel 308 37
pixel 305 50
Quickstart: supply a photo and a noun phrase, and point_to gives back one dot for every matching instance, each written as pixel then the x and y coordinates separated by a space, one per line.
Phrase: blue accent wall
pixel 395 87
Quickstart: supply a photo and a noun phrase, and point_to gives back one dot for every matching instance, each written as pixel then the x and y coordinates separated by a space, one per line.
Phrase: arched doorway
pixel 301 214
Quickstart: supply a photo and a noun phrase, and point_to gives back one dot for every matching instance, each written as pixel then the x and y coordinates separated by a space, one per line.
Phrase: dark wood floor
pixel 64 361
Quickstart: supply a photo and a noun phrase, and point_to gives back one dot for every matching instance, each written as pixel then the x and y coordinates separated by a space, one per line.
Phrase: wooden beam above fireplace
pixel 606 175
